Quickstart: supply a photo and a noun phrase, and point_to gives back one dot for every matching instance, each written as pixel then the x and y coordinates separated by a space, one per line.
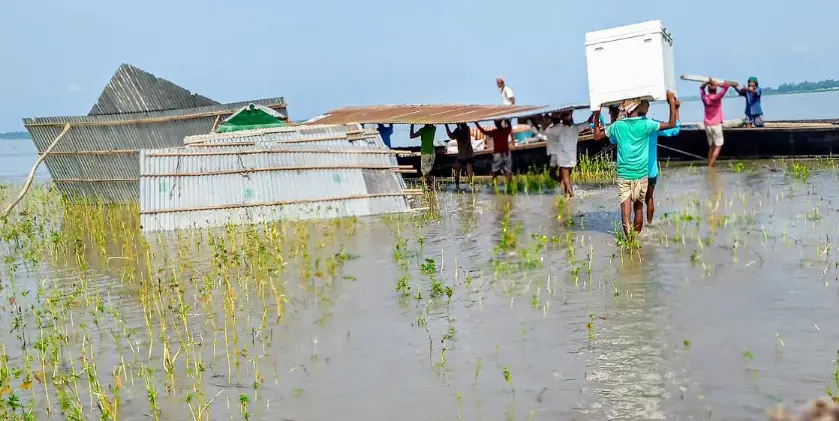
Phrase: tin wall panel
pixel 276 134
pixel 194 163
pixel 219 196
pixel 112 174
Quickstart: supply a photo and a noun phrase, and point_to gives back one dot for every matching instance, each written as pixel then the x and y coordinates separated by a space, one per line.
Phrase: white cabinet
pixel 633 61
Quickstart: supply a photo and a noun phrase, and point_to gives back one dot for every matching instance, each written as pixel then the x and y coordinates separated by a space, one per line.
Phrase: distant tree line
pixel 789 88
pixel 15 135
pixel 806 86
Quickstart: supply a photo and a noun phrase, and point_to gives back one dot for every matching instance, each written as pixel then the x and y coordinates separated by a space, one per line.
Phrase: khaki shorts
pixel 633 190
pixel 714 135
pixel 427 163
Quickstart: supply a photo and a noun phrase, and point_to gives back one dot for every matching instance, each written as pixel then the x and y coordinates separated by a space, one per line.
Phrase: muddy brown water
pixel 730 306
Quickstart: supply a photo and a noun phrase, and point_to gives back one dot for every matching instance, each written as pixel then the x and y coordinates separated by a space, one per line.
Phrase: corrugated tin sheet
pixel 300 154
pixel 98 158
pixel 547 110
pixel 262 135
pixel 418 114
pixel 132 90
pixel 277 103
pixel 349 135
pixel 179 190
pixel 244 158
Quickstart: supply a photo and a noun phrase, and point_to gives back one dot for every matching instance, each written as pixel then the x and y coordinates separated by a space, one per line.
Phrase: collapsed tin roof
pixel 133 90
pixel 418 114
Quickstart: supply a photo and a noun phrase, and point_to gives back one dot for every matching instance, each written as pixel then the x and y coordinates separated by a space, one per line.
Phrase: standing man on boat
pixel 631 135
pixel 465 153
pixel 502 160
pixel 427 153
pixel 654 169
pixel 507 96
pixel 754 111
pixel 712 99
pixel 385 131
pixel 563 136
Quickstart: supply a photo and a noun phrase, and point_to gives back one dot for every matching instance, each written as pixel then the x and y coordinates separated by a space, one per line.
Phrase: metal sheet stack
pixel 288 173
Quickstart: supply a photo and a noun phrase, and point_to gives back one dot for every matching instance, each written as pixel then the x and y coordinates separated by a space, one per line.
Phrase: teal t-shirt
pixel 427 139
pixel 632 137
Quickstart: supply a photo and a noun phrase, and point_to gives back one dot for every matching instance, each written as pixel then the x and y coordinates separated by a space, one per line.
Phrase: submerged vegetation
pixel 515 299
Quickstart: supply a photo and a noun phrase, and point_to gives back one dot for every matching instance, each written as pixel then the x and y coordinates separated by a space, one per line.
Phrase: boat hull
pixel 689 145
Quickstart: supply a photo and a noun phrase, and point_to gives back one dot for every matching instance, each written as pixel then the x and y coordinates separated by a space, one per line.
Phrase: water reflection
pixel 628 371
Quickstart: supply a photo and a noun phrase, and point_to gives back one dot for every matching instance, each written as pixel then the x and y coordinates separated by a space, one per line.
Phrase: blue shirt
pixel 602 122
pixel 386 132
pixel 654 146
pixel 753 107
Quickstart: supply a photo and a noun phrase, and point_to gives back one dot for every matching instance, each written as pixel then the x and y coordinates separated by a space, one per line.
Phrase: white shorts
pixel 562 161
pixel 714 135
pixel 427 163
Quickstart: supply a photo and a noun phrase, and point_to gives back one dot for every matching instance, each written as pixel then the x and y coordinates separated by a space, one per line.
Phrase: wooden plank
pixel 706 79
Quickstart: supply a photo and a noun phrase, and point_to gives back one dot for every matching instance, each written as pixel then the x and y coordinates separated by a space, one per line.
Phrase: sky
pixel 57 55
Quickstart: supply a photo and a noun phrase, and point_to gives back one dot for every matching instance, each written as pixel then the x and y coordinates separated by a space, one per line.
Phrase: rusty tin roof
pixel 419 114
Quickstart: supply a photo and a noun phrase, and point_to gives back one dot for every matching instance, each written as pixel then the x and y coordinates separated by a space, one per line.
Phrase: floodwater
pixel 17 157
pixel 728 308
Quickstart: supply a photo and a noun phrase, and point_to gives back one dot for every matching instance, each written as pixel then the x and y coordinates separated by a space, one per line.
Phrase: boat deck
pixel 779 139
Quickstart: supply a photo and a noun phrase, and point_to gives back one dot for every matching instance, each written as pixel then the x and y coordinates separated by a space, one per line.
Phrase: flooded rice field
pixel 494 307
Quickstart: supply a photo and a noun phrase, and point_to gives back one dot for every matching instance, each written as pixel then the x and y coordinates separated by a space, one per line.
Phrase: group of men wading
pixel 502 160
pixel 633 134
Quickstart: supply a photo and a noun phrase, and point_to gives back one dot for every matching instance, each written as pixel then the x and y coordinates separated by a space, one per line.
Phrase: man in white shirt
pixel 507 97
pixel 563 136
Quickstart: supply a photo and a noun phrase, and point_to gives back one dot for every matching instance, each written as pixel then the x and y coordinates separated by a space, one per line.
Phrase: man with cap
pixel 753 93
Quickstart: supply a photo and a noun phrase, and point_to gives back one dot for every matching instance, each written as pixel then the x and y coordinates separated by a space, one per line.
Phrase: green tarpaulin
pixel 252 117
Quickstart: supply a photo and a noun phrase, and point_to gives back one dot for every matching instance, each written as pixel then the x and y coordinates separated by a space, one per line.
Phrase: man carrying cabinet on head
pixel 631 135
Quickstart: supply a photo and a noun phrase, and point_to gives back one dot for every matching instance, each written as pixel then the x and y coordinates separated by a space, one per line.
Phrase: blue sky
pixel 57 55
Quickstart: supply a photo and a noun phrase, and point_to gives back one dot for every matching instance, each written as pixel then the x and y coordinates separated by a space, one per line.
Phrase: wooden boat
pixel 787 139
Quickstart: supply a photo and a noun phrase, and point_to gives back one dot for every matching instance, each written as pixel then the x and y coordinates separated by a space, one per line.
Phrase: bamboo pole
pixel 96 180
pixel 147 120
pixel 282 151
pixel 216 145
pixel 202 144
pixel 297 168
pixel 248 152
pixel 111 152
pixel 279 203
pixel 34 168
pixel 683 152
